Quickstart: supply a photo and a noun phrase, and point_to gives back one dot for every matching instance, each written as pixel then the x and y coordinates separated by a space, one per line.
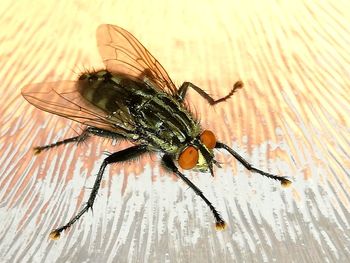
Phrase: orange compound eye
pixel 208 139
pixel 188 158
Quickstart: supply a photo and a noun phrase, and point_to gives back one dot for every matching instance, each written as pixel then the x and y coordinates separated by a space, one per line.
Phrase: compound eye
pixel 208 139
pixel 188 158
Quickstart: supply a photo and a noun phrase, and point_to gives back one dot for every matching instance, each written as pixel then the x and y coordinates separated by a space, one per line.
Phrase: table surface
pixel 291 118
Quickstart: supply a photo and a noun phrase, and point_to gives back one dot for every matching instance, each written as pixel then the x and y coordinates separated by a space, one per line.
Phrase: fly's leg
pixel 169 164
pixel 80 138
pixel 284 181
pixel 121 156
pixel 184 87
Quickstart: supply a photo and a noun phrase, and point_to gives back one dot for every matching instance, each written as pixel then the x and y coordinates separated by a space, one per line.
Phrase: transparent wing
pixel 123 53
pixel 63 98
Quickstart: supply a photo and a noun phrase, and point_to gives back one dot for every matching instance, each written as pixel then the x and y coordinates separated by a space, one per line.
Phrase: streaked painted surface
pixel 292 118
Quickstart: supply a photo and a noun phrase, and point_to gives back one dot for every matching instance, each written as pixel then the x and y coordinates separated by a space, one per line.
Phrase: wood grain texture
pixel 291 118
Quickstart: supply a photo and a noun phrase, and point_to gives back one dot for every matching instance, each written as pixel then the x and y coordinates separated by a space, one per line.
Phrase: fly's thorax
pixel 165 123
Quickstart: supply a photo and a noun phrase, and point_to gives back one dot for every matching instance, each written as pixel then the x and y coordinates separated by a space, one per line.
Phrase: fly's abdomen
pixel 111 94
pixel 103 90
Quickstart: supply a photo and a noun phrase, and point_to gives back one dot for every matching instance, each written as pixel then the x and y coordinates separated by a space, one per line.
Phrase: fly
pixel 135 99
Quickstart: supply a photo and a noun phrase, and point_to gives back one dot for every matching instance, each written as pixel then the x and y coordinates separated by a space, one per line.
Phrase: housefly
pixel 135 99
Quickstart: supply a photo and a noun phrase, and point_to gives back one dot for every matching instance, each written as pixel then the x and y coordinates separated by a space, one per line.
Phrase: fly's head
pixel 198 155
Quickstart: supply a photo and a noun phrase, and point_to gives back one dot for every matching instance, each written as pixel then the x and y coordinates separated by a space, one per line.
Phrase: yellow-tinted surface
pixel 291 118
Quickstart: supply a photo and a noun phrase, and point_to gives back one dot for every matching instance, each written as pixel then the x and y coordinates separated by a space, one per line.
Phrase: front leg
pixel 169 164
pixel 284 181
pixel 184 87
